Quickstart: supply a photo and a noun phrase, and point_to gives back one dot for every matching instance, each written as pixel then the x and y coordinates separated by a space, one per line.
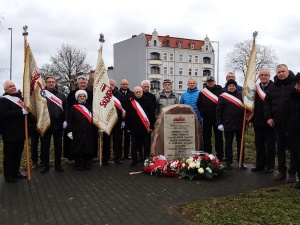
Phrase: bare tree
pixel 237 59
pixel 65 65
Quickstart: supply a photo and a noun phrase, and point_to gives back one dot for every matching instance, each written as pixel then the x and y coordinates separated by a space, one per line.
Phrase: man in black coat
pixel 126 93
pixel 230 115
pixel 13 131
pixel 116 133
pixel 264 134
pixel 58 110
pixel 275 111
pixel 207 103
pixel 139 120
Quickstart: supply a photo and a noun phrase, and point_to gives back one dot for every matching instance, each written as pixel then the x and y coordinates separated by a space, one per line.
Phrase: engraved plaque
pixel 179 135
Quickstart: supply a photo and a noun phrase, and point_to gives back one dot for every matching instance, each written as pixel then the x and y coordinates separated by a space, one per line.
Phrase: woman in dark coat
pixel 229 114
pixel 82 131
pixel 293 128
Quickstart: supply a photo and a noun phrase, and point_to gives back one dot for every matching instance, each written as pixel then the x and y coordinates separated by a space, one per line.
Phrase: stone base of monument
pixel 177 132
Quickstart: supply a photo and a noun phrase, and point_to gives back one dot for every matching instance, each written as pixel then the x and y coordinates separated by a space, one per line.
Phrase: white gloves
pixel 123 125
pixel 70 135
pixel 221 127
pixel 25 111
pixel 65 124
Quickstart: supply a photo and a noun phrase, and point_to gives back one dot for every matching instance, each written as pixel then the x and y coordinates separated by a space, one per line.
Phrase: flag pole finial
pixel 101 39
pixel 25 33
pixel 255 33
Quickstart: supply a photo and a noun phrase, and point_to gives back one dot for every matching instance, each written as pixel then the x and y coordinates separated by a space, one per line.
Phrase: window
pixel 165 70
pixel 171 70
pixel 154 55
pixel 196 59
pixel 196 72
pixel 155 70
pixel 167 43
pixel 192 46
pixel 154 42
pixel 165 56
pixel 171 56
pixel 179 44
pixel 190 58
pixel 180 85
pixel 180 57
pixel 190 71
pixel 206 73
pixel 180 71
pixel 206 60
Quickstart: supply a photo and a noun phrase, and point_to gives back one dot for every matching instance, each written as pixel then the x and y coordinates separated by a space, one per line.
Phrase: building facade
pixel 155 58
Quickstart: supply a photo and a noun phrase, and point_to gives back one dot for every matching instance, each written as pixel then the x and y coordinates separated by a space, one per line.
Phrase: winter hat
pixel 81 92
pixel 231 82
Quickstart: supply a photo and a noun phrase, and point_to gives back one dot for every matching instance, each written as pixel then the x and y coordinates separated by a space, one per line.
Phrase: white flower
pixel 200 170
pixel 192 165
pixel 208 170
pixel 183 165
pixel 197 164
pixel 211 156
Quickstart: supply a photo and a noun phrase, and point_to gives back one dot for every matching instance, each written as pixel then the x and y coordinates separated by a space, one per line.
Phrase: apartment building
pixel 155 58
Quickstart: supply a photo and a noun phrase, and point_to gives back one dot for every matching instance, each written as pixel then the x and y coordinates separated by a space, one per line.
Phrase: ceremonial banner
pixel 104 111
pixel 249 82
pixel 33 90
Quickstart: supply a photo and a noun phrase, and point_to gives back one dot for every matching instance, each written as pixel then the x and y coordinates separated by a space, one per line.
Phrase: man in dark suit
pixel 139 120
pixel 127 93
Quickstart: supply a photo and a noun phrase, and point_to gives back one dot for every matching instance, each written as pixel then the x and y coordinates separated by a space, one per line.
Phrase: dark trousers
pixel 141 144
pixel 12 153
pixel 281 140
pixel 45 147
pixel 229 135
pixel 126 142
pixel 265 147
pixel 208 125
pixel 34 143
pixel 294 144
pixel 115 136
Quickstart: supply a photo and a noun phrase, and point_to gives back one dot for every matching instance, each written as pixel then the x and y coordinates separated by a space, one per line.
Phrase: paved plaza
pixel 109 195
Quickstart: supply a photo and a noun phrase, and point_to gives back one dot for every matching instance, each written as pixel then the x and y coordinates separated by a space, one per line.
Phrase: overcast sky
pixel 79 23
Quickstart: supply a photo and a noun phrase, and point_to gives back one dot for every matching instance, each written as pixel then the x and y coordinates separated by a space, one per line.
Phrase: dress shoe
pixel 10 179
pixel 126 157
pixel 297 185
pixel 256 169
pixel 291 178
pixel 105 163
pixel 280 176
pixel 44 170
pixel 269 170
pixel 34 166
pixel 228 166
pixel 79 167
pixel 117 161
pixel 87 166
pixel 133 164
pixel 59 169
pixel 20 175
pixel 243 167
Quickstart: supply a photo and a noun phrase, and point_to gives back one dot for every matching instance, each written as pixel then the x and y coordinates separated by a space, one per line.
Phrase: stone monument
pixel 177 132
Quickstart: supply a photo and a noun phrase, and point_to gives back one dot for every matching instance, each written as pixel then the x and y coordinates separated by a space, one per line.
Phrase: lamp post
pixel 10 69
pixel 218 59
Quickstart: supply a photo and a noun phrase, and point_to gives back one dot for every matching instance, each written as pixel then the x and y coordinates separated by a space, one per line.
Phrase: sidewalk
pixel 109 195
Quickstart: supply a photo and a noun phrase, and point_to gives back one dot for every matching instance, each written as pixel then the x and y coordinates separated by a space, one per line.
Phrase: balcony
pixel 155 77
pixel 207 66
pixel 155 62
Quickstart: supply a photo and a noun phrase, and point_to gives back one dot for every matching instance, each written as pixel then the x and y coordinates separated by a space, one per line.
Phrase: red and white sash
pixel 54 99
pixel 84 111
pixel 260 92
pixel 15 100
pixel 210 95
pixel 141 114
pixel 119 105
pixel 233 99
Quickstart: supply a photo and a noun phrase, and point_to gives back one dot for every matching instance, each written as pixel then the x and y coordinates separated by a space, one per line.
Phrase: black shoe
pixel 269 170
pixel 20 175
pixel 59 169
pixel 44 170
pixel 105 163
pixel 87 167
pixel 117 161
pixel 79 168
pixel 297 185
pixel 133 164
pixel 256 169
pixel 10 179
pixel 127 157
pixel 228 166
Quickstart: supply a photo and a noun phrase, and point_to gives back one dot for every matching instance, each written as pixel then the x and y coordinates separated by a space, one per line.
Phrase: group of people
pixel 218 109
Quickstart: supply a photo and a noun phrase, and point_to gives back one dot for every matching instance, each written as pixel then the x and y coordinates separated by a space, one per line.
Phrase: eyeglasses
pixel 50 82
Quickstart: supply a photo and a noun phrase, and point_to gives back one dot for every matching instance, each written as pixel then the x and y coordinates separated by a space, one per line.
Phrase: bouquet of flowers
pixel 201 167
